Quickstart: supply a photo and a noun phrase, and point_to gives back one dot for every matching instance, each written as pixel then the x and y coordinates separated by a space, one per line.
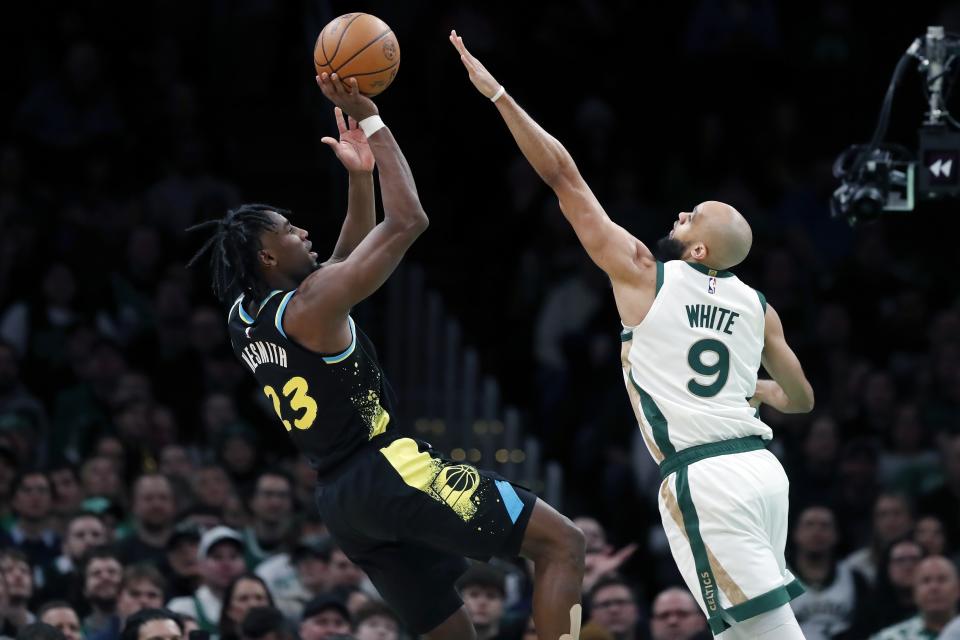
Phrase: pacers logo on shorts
pixel 455 485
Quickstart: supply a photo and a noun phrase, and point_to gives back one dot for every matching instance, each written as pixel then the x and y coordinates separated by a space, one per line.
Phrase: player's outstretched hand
pixel 352 148
pixel 347 96
pixel 482 79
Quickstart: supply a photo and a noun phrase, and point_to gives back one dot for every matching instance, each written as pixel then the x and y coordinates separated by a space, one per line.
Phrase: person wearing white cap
pixel 221 560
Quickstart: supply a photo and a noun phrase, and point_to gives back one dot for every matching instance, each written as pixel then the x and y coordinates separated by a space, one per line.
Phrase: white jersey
pixel 691 365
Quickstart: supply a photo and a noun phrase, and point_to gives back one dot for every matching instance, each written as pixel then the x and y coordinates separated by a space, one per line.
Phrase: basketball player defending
pixel 694 337
pixel 399 510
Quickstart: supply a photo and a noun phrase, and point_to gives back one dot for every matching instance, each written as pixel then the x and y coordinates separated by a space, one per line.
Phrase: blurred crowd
pixel 144 482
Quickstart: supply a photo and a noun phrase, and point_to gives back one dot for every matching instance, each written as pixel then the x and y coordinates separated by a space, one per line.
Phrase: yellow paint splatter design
pixel 454 485
pixel 371 412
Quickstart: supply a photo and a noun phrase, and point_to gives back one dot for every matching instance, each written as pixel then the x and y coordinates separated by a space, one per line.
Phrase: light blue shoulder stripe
pixel 233 306
pixel 264 303
pixel 278 318
pixel 353 345
pixel 243 312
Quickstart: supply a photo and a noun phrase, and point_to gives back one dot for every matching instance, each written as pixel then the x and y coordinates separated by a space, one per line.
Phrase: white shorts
pixel 726 521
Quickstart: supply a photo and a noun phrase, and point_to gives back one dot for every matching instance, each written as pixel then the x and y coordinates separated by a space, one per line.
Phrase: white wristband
pixel 499 93
pixel 371 124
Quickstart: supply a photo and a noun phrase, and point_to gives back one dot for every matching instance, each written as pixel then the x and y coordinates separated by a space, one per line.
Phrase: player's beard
pixel 669 248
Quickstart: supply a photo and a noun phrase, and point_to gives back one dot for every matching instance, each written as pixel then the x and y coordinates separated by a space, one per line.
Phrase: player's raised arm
pixel 353 151
pixel 789 391
pixel 317 314
pixel 609 245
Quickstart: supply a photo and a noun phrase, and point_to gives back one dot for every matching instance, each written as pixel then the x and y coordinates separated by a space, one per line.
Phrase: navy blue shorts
pixel 408 517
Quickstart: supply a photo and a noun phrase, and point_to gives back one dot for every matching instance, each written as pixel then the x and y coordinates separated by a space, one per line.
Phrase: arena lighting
pixel 879 177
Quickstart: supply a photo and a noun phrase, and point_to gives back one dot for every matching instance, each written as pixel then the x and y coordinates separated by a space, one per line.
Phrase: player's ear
pixel 698 251
pixel 266 258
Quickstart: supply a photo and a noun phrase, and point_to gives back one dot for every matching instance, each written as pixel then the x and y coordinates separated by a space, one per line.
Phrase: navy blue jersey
pixel 328 404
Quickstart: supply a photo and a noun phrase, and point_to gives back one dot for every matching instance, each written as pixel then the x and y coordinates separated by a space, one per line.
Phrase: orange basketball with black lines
pixel 361 46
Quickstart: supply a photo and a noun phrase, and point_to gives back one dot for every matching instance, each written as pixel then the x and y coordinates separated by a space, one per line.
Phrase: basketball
pixel 361 46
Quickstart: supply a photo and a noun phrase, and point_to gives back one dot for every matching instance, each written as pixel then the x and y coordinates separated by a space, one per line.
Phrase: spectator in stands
pixel 62 616
pixel 212 486
pixel 39 631
pixel 613 606
pixel 677 616
pixel 243 593
pixel 221 560
pixel 265 623
pixel 238 450
pixel 483 592
pixel 594 535
pixel 931 535
pixel 892 599
pixel 272 508
pixel 944 501
pixel 323 618
pixel 18 583
pixel 342 572
pixel 142 587
pixel 102 576
pixel 153 624
pixel 181 566
pixel 175 462
pixel 376 621
pixel 892 520
pixel 101 478
pixel 61 578
pixel 600 559
pixel 295 578
pixel 936 592
pixel 67 492
pixel 833 590
pixel 153 510
pixel 32 531
pixel 908 462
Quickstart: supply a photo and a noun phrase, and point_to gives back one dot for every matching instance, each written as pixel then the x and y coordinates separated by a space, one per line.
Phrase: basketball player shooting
pixel 401 511
pixel 694 337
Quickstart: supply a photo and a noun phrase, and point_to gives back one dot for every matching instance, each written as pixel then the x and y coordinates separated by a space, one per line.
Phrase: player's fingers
pixel 330 142
pixel 465 51
pixel 351 123
pixel 337 87
pixel 454 41
pixel 353 86
pixel 458 43
pixel 338 116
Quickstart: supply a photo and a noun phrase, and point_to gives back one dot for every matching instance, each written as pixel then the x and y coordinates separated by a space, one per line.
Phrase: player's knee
pixel 569 544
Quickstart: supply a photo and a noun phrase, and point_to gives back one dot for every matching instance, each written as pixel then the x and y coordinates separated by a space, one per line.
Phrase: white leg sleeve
pixel 779 624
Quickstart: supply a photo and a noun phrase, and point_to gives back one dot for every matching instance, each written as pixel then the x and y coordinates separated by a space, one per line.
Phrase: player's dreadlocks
pixel 233 251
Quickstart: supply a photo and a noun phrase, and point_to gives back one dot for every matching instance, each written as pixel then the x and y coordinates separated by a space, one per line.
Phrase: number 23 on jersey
pixel 295 392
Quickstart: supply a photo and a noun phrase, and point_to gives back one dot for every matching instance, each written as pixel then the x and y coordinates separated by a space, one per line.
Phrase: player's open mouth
pixel 313 254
